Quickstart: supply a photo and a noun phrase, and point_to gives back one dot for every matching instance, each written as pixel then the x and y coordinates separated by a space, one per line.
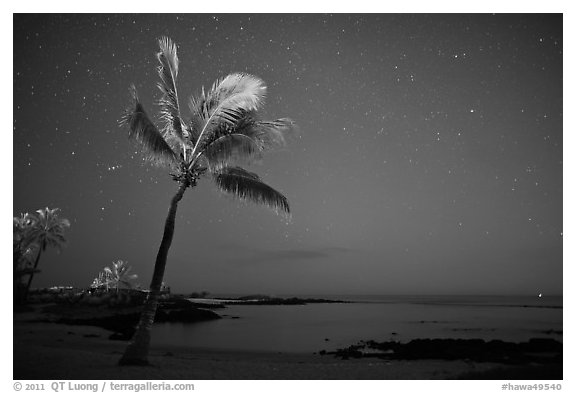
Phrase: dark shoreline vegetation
pixel 263 300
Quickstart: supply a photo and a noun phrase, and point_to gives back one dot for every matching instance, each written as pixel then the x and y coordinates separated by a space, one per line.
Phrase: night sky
pixel 429 158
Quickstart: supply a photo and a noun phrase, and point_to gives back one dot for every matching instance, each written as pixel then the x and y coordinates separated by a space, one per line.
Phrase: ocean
pixel 314 327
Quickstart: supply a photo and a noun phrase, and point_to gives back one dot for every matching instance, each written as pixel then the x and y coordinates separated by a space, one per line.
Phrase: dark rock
pixel 537 350
pixel 123 320
pixel 123 324
pixel 350 352
pixel 516 372
pixel 255 297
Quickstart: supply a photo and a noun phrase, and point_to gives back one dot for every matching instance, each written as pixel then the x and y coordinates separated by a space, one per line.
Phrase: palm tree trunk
pixel 42 247
pixel 137 351
pixel 17 288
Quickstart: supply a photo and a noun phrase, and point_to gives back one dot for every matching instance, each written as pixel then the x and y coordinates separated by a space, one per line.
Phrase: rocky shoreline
pixel 539 358
pixel 121 320
pixel 535 351
pixel 120 316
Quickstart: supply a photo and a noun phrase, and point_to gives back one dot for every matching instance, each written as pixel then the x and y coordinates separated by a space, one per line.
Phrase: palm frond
pixel 225 102
pixel 143 130
pixel 174 142
pixel 200 115
pixel 191 134
pixel 274 133
pixel 231 147
pixel 247 185
pixel 169 107
pixel 217 131
pixel 56 240
pixel 267 134
pixel 237 91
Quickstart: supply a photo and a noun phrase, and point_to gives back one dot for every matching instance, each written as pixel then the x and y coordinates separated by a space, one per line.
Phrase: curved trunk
pixel 42 247
pixel 17 288
pixel 137 351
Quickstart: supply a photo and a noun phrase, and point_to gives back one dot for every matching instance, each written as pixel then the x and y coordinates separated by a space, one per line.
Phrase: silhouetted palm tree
pixel 223 130
pixel 47 230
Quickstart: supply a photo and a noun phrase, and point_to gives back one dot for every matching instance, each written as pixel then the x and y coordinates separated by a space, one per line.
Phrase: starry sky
pixel 429 158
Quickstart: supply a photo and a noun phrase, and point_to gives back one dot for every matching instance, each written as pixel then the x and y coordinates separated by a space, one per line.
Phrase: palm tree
pixel 101 281
pixel 118 276
pixel 46 231
pixel 223 130
pixel 23 250
pixel 21 244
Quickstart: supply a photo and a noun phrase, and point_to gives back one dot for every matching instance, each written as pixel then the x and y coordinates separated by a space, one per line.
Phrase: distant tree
pixel 46 230
pixel 101 282
pixel 116 277
pixel 199 295
pixel 223 130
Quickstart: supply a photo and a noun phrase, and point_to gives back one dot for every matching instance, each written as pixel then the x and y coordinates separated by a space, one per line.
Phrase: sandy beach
pixel 55 351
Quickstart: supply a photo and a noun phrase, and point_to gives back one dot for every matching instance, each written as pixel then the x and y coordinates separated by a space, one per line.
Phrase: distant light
pixel 540 295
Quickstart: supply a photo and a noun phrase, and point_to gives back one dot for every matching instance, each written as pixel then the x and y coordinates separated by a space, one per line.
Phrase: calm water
pixel 314 327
